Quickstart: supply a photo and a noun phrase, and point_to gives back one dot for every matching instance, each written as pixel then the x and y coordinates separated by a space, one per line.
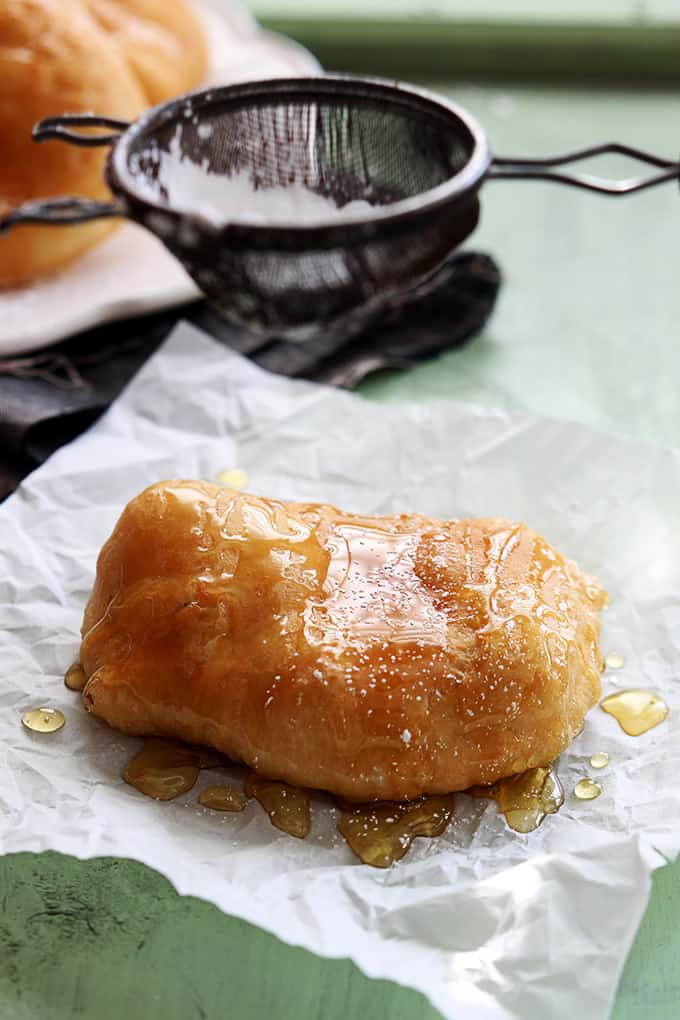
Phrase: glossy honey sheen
pixel 635 710
pixel 75 677
pixel 222 798
pixel 43 720
pixel 287 806
pixel 164 769
pixel 587 789
pixel 377 658
pixel 526 799
pixel 233 478
pixel 381 834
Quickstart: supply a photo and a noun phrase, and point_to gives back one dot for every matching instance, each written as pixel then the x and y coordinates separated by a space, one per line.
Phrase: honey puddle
pixel 525 799
pixel 599 760
pixel 381 833
pixel 587 789
pixel 233 478
pixel 636 711
pixel 222 798
pixel 287 806
pixel 164 769
pixel 43 720
pixel 76 677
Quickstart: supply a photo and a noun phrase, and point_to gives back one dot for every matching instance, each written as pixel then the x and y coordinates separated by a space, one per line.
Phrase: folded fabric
pixel 48 398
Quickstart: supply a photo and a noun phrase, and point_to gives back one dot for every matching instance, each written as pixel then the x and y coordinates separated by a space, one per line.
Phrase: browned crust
pixel 440 655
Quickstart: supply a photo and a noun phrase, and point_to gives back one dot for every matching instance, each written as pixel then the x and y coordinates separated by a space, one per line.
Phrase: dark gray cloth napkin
pixel 48 398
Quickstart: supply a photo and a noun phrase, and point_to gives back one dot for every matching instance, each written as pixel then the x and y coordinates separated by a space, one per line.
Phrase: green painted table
pixel 586 329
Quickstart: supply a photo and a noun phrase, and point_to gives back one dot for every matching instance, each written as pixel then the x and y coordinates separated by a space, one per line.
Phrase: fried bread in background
pixel 162 41
pixel 63 56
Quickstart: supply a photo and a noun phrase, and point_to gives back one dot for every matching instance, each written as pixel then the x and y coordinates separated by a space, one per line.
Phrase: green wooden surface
pixel 555 12
pixel 614 12
pixel 586 329
pixel 562 40
pixel 570 52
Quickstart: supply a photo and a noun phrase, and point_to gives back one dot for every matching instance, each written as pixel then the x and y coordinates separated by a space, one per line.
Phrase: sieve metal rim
pixel 321 233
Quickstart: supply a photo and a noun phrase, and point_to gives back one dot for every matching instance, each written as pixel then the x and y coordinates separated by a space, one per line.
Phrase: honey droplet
pixel 287 806
pixel 614 660
pixel 382 833
pixel 43 720
pixel 233 478
pixel 587 789
pixel 222 798
pixel 525 799
pixel 76 677
pixel 599 760
pixel 163 769
pixel 636 711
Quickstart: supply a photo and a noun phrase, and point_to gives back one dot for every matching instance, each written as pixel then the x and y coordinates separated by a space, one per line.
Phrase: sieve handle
pixel 60 128
pixel 59 212
pixel 520 168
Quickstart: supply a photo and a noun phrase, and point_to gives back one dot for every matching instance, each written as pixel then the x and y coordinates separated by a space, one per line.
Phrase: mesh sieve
pixel 413 159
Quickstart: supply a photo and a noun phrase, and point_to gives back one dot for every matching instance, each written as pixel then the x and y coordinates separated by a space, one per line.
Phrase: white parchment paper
pixel 488 923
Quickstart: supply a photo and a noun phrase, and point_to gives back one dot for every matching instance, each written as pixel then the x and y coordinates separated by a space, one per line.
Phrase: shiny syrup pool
pixel 587 789
pixel 525 799
pixel 382 833
pixel 636 711
pixel 164 769
pixel 43 720
pixel 222 798
pixel 75 677
pixel 288 807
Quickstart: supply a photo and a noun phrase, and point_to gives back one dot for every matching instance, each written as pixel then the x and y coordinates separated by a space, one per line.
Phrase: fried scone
pixel 373 657
pixel 115 57
pixel 54 57
pixel 162 41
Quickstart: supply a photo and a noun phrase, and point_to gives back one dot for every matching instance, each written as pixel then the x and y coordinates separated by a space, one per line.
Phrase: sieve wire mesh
pixel 283 279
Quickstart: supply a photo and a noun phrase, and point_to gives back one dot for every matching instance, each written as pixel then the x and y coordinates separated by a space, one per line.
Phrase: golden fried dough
pixel 113 57
pixel 54 57
pixel 162 41
pixel 374 657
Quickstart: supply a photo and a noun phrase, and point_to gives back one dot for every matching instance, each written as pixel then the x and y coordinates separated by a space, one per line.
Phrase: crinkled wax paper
pixel 486 922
